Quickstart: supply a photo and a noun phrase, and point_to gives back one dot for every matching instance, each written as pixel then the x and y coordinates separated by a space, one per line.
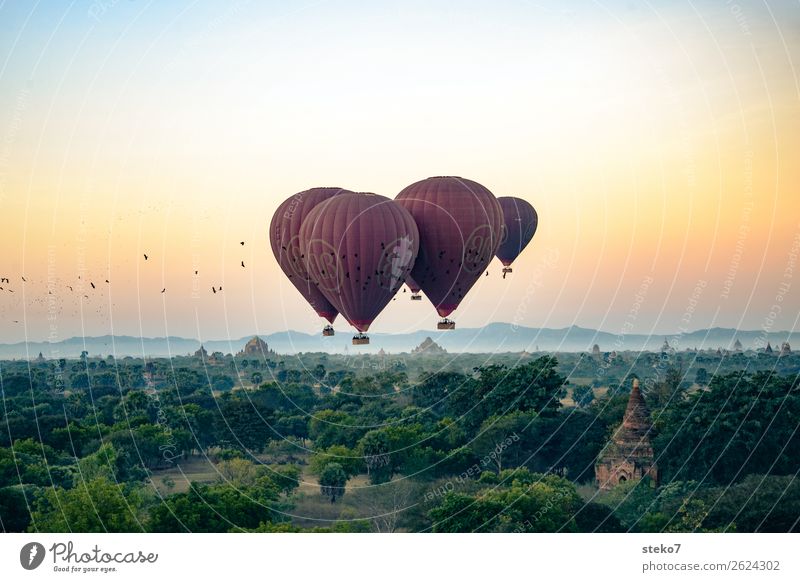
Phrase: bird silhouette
pixel 242 264
pixel 24 280
pixel 242 243
pixel 145 257
pixel 92 284
pixel 164 289
pixel 214 290
pixel 4 280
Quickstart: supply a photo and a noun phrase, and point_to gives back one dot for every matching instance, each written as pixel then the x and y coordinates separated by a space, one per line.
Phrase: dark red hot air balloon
pixel 415 289
pixel 284 236
pixel 359 248
pixel 459 225
pixel 519 225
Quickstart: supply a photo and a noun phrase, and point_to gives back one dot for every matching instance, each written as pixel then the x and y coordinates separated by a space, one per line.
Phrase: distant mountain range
pixel 495 337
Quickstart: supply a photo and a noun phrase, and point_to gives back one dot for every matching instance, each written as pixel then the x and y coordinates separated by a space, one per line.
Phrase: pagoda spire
pixel 629 455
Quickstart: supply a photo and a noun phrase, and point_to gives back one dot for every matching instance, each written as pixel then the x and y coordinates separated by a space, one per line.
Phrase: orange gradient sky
pixel 657 143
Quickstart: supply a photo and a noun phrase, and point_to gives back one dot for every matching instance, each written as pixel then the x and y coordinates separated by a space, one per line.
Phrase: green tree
pixel 216 508
pixel 243 425
pixel 499 439
pixel 434 390
pixel 522 502
pixel 332 481
pixel 14 515
pixel 743 424
pixel 351 461
pixel 582 396
pixel 333 427
pixel 222 382
pixel 533 387
pixel 377 456
pixel 94 506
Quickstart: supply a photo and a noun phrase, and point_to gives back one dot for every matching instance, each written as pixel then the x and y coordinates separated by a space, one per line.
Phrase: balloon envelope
pixel 359 248
pixel 459 225
pixel 519 225
pixel 413 285
pixel 284 237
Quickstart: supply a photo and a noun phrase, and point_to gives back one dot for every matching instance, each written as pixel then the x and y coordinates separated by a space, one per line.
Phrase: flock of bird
pixel 45 301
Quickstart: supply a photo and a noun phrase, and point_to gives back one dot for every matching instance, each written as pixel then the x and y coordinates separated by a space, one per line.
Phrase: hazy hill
pixel 495 337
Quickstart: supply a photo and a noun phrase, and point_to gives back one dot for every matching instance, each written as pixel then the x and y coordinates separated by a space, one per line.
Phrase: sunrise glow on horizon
pixel 658 144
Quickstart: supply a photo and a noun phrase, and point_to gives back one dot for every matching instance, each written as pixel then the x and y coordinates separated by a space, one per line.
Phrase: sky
pixel 658 141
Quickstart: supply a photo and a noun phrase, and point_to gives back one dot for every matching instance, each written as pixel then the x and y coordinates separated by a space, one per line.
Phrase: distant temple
pixel 785 349
pixel 629 455
pixel 595 350
pixel 255 347
pixel 428 346
pixel 768 349
pixel 201 353
pixel 737 346
pixel 665 347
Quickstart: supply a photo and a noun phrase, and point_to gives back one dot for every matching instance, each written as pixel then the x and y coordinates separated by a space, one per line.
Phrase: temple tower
pixel 629 455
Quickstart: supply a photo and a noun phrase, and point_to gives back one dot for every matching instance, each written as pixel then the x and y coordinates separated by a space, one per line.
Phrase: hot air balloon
pixel 359 248
pixel 459 225
pixel 284 236
pixel 519 225
pixel 415 289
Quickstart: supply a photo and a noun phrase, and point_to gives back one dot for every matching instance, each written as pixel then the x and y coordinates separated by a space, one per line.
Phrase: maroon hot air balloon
pixel 359 248
pixel 459 225
pixel 519 225
pixel 284 236
pixel 415 289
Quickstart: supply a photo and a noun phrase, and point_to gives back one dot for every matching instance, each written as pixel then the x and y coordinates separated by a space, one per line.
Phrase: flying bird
pixel 164 289
pixel 145 256
pixel 242 243
pixel 92 284
pixel 242 263
pixel 214 290
pixel 4 280
pixel 24 280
